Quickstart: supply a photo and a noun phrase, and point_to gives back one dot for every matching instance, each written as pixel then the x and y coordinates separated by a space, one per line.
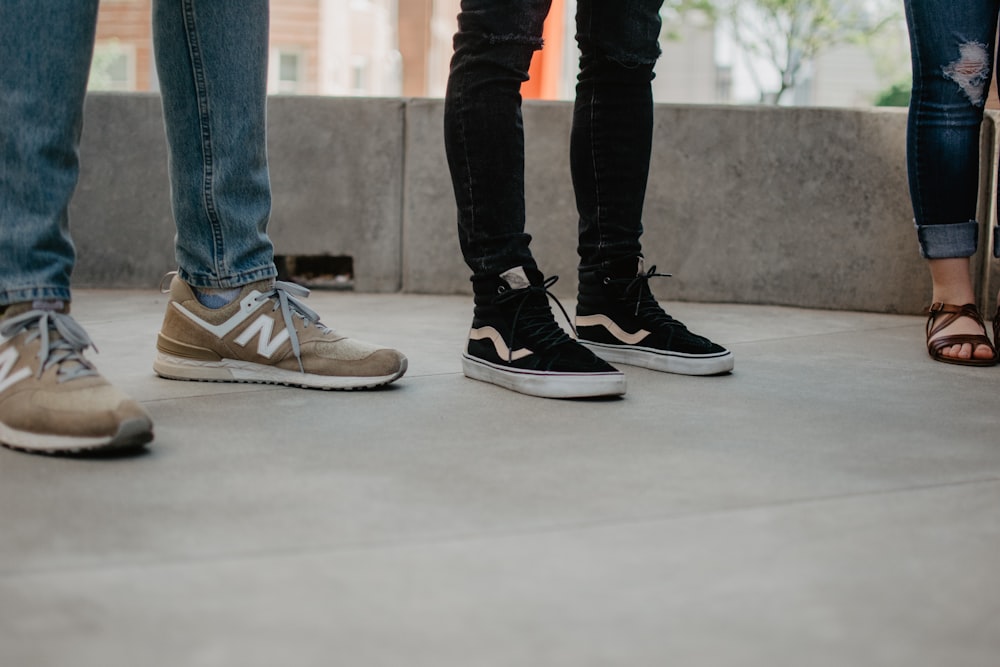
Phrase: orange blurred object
pixel 546 65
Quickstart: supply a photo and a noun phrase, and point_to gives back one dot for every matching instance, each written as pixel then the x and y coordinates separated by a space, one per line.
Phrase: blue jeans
pixel 610 141
pixel 211 58
pixel 952 45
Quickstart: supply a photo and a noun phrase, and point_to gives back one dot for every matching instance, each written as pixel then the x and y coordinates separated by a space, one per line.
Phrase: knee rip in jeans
pixel 971 71
pixel 514 38
pixel 633 60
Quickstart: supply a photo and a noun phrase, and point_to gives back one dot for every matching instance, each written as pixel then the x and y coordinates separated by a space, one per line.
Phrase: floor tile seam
pixel 814 335
pixel 98 294
pixel 457 539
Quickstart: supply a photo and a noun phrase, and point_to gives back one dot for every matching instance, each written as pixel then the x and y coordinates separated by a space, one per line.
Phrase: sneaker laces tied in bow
pixel 285 294
pixel 645 302
pixel 539 325
pixel 647 306
pixel 640 286
pixel 68 346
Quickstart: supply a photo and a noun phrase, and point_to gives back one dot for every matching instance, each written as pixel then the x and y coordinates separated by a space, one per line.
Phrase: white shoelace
pixel 54 351
pixel 285 295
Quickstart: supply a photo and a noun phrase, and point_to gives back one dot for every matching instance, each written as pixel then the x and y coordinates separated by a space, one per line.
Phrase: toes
pixel 983 352
pixel 957 351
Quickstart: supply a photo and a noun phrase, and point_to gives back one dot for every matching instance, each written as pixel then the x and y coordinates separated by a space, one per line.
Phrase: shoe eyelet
pixel 501 289
pixel 607 280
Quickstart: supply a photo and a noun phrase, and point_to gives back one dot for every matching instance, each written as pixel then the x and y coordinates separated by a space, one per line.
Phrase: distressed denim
pixel 610 141
pixel 212 65
pixel 952 48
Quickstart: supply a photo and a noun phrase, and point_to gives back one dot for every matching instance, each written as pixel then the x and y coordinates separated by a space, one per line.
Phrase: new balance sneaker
pixel 618 318
pixel 516 343
pixel 52 399
pixel 266 335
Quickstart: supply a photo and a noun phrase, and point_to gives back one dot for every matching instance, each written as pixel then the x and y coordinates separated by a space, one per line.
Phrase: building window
pixel 287 71
pixel 113 67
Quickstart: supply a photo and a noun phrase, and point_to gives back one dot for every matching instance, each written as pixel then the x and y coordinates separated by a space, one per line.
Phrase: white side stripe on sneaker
pixel 7 361
pixel 248 306
pixel 498 343
pixel 610 325
pixel 262 327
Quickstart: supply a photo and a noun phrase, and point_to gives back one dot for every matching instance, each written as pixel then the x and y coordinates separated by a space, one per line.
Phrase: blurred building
pixel 403 47
pixel 317 47
pixel 426 28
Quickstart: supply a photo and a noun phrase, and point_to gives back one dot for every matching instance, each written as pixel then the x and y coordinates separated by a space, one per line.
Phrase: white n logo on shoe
pixel 7 360
pixel 266 346
pixel 262 326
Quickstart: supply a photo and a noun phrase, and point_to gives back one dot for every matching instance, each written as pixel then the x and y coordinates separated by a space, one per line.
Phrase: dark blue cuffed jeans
pixel 611 136
pixel 952 45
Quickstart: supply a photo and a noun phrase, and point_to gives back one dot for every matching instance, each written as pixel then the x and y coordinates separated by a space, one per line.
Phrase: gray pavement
pixel 834 501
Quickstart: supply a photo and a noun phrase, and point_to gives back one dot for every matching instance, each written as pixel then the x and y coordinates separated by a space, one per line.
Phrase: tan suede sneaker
pixel 52 400
pixel 266 335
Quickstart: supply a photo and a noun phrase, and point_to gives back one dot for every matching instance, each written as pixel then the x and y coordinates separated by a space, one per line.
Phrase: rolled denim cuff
pixel 958 239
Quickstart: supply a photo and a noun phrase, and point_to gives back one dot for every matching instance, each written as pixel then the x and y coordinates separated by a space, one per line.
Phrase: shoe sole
pixel 230 370
pixel 132 434
pixel 545 385
pixel 666 362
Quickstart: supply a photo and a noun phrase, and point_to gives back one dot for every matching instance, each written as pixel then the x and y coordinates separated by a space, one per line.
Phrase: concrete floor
pixel 835 501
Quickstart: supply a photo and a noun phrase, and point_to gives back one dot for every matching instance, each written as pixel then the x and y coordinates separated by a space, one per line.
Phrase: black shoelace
pixel 538 326
pixel 646 305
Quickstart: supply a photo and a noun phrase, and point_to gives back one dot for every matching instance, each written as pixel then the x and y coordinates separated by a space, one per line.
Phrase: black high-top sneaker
pixel 516 343
pixel 618 318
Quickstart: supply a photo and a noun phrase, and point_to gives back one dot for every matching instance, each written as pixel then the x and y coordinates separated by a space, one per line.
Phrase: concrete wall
pixel 803 207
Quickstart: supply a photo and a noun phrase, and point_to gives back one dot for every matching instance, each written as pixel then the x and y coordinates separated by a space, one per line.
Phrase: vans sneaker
pixel 618 318
pixel 52 399
pixel 266 335
pixel 516 343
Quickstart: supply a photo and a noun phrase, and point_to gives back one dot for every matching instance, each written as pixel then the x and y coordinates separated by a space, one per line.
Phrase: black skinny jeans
pixel 611 137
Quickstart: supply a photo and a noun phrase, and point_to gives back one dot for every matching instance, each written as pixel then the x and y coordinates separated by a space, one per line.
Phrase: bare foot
pixel 963 325
pixel 952 284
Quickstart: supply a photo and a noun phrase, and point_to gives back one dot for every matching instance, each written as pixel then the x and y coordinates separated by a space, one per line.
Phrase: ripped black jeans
pixel 952 44
pixel 610 141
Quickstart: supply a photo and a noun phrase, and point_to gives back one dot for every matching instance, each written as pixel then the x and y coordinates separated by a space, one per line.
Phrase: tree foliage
pixel 896 95
pixel 789 34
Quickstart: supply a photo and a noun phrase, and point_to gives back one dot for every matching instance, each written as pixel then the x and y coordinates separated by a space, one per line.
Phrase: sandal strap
pixel 940 315
pixel 948 313
pixel 996 326
pixel 975 340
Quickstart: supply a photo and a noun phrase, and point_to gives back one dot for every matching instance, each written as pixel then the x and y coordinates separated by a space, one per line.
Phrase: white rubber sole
pixel 667 362
pixel 132 434
pixel 545 385
pixel 230 370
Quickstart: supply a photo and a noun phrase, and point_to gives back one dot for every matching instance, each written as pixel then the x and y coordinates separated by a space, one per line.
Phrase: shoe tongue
pixel 516 278
pixel 47 305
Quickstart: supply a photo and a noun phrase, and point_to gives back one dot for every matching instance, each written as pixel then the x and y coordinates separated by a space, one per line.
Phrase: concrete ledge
pixel 337 182
pixel 803 207
pixel 120 216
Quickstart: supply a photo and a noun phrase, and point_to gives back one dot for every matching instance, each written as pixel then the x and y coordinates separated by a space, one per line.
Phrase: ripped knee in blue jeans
pixel 971 71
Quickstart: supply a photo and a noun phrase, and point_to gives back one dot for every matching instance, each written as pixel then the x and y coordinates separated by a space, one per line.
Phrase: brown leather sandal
pixel 949 313
pixel 996 327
